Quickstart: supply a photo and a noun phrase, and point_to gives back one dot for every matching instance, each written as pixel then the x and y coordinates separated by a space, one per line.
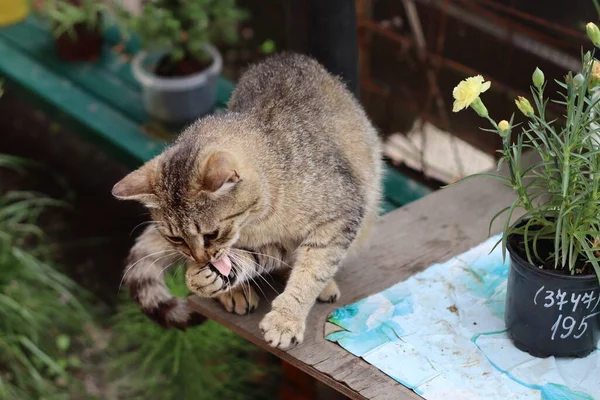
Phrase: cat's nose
pixel 201 259
pixel 212 255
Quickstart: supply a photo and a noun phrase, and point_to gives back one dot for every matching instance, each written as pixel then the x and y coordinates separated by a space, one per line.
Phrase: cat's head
pixel 199 199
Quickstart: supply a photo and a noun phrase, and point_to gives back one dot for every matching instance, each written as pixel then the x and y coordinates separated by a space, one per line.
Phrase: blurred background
pixel 71 128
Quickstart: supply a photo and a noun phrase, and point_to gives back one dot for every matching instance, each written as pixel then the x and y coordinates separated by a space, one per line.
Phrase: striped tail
pixel 148 260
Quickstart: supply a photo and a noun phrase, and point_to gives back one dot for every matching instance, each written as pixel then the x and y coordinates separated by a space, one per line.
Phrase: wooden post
pixel 327 31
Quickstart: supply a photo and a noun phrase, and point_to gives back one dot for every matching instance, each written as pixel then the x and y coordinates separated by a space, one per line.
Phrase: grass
pixel 50 335
pixel 41 318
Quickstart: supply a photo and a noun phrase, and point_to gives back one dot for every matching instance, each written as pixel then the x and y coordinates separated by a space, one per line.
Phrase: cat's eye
pixel 175 239
pixel 209 237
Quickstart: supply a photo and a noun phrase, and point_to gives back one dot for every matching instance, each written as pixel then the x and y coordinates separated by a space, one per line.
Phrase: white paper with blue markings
pixel 442 334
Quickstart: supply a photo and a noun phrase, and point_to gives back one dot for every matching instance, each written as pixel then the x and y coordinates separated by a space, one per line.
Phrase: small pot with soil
pixel 177 93
pixel 179 66
pixel 551 312
pixel 76 27
pixel 84 45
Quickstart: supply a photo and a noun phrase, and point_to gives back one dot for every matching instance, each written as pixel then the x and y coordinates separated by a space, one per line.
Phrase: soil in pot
pixel 85 45
pixel 187 66
pixel 545 249
pixel 551 312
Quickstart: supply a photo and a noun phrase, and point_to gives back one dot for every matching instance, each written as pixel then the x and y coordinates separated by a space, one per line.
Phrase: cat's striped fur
pixel 288 178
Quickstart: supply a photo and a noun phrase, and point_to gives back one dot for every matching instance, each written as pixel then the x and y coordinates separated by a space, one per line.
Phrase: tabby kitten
pixel 287 178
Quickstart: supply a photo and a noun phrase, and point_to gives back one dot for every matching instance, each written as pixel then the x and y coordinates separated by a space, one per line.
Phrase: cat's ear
pixel 220 173
pixel 137 186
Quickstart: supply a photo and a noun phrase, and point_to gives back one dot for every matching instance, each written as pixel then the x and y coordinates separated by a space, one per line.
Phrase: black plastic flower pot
pixel 550 313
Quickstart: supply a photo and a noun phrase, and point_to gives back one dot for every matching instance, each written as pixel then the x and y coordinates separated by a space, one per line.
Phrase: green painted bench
pixel 102 101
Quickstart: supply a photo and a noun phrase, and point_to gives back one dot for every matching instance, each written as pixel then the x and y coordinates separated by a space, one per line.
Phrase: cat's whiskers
pixel 237 258
pixel 228 285
pixel 143 223
pixel 155 261
pixel 244 281
pixel 135 263
pixel 179 268
pixel 269 256
pixel 260 272
pixel 246 285
pixel 261 276
pixel 169 266
pixel 261 269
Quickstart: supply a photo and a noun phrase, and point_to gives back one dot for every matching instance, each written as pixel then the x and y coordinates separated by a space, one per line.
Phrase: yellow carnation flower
pixel 595 69
pixel 504 125
pixel 595 75
pixel 504 128
pixel 467 91
pixel 524 106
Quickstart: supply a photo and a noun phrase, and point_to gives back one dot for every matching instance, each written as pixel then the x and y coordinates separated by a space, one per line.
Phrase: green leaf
pixel 62 363
pixel 507 227
pixel 42 356
pixel 486 175
pixel 505 209
pixel 74 362
pixel 63 342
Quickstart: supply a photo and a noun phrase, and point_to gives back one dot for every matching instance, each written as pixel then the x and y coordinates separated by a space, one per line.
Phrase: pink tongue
pixel 223 265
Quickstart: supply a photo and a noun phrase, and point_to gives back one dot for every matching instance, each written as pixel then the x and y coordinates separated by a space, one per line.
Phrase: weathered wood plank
pixel 406 241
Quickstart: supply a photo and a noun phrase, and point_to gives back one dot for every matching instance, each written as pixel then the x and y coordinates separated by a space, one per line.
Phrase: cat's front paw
pixel 240 300
pixel 204 281
pixel 282 329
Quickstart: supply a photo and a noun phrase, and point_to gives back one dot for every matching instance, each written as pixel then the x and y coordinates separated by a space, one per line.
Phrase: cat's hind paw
pixel 239 300
pixel 330 294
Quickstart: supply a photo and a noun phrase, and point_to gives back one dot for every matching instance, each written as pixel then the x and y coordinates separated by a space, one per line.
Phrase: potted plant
pixel 76 27
pixel 553 292
pixel 179 66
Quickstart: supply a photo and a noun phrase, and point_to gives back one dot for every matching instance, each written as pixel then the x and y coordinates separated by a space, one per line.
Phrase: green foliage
pixel 204 362
pixel 183 27
pixel 40 315
pixel 64 15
